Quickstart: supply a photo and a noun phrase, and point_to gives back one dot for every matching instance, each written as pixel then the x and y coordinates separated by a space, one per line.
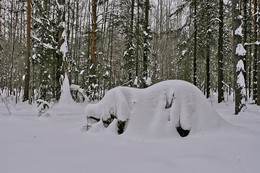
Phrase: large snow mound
pixel 169 108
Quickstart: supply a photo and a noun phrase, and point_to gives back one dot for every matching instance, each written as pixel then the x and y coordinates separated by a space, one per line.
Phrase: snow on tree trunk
pixel 241 82
pixel 65 97
pixel 237 55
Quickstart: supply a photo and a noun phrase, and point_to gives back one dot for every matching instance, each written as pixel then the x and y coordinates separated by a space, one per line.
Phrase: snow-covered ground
pixel 59 143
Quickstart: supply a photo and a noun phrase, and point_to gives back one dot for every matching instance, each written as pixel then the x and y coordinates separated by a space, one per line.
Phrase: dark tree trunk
pixel 130 56
pixel 258 59
pixel 195 45
pixel 255 53
pixel 245 60
pixel 27 71
pixel 220 53
pixel 236 56
pixel 137 40
pixel 250 52
pixel 93 70
pixel 146 44
pixel 94 31
pixel 59 56
pixel 208 67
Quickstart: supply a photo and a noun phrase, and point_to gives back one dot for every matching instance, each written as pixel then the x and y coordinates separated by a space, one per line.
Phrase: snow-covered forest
pixel 129 86
pixel 108 43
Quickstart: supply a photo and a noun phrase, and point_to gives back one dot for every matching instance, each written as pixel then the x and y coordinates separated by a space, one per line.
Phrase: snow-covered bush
pixel 169 108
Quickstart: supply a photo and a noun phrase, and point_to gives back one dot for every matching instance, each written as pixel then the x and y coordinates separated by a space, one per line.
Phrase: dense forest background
pixel 101 44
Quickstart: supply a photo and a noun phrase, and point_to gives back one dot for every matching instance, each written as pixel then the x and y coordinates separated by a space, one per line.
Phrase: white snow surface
pixel 241 80
pixel 66 101
pixel 59 144
pixel 240 50
pixel 240 65
pixel 65 97
pixel 146 113
pixel 238 31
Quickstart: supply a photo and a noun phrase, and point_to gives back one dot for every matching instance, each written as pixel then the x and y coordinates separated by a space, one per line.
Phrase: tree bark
pixel 146 44
pixel 255 53
pixel 236 56
pixel 61 62
pixel 220 53
pixel 0 19
pixel 137 40
pixel 195 45
pixel 258 58
pixel 27 75
pixel 245 60
pixel 93 72
pixel 94 31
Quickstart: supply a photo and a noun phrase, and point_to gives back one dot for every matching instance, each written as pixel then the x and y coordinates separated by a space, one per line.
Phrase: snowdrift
pixel 169 108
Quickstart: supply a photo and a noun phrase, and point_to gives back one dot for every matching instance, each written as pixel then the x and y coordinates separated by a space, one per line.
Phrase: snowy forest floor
pixel 59 144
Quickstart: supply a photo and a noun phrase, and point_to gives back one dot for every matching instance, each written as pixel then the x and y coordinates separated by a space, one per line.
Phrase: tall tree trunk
pixel 61 65
pixel 258 58
pixel 245 60
pixel 11 37
pixel 195 45
pixel 137 39
pixel 131 39
pixel 208 63
pixel 0 19
pixel 208 32
pixel 146 44
pixel 93 72
pixel 111 34
pixel 255 53
pixel 94 31
pixel 250 52
pixel 238 54
pixel 220 52
pixel 27 75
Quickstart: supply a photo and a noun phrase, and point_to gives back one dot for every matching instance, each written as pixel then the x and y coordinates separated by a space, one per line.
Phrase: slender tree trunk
pixel 27 75
pixel 93 72
pixel 137 39
pixel 238 56
pixel 61 62
pixel 111 50
pixel 258 58
pixel 245 60
pixel 208 63
pixel 220 52
pixel 146 43
pixel 131 39
pixel 195 45
pixel 12 53
pixel 255 53
pixel 77 44
pixel 250 52
pixel 94 31
pixel 0 19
